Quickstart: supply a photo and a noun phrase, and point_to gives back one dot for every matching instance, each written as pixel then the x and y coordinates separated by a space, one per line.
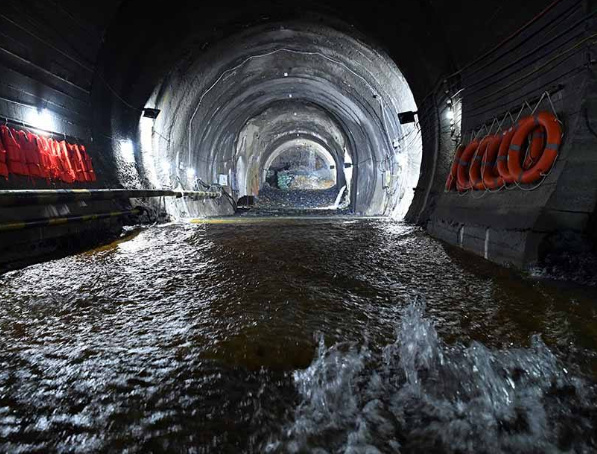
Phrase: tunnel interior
pixel 301 164
pixel 241 227
pixel 226 113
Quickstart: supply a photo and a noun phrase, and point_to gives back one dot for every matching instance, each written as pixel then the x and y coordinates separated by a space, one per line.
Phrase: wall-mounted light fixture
pixel 406 117
pixel 42 119
pixel 151 113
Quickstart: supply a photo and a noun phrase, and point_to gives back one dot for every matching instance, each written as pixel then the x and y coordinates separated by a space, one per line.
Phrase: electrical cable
pixel 540 68
pixel 507 39
pixel 503 75
pixel 562 77
pixel 547 32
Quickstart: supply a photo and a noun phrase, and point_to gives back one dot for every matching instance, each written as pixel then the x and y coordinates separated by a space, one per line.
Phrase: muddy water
pixel 323 336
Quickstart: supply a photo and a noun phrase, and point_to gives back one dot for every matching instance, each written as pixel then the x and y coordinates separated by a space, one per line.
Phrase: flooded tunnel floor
pixel 292 335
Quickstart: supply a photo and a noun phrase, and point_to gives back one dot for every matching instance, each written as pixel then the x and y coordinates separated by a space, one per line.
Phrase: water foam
pixel 421 395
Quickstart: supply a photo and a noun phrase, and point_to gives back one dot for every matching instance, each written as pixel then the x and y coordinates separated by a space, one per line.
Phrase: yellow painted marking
pixel 12 226
pixel 260 220
pixel 58 221
pixel 114 244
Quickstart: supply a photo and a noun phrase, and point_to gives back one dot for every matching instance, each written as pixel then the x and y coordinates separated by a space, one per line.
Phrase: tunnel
pixel 224 112
pixel 298 227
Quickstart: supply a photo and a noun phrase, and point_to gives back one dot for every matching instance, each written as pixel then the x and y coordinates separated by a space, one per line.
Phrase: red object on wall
pixel 77 161
pixel 69 175
pixel 3 161
pixel 90 171
pixel 47 158
pixel 29 149
pixel 37 147
pixel 59 170
pixel 16 160
pixel 84 163
pixel 27 154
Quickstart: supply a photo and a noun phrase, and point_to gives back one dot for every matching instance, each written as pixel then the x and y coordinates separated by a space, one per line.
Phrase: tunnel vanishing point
pixel 475 120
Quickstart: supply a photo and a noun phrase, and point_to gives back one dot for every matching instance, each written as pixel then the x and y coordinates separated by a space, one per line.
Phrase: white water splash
pixel 420 395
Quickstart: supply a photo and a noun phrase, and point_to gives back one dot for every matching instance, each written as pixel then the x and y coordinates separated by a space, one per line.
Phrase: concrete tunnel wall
pixel 353 87
pixel 104 64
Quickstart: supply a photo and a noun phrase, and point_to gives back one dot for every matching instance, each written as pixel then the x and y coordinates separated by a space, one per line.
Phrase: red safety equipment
pixel 56 164
pixel 16 159
pixel 89 161
pixel 490 175
pixel 68 172
pixel 44 160
pixel 83 161
pixel 48 160
pixel 3 161
pixel 475 172
pixel 535 148
pixel 462 175
pixel 75 160
pixel 30 152
pixel 451 182
pixel 65 169
pixel 502 159
pixel 547 157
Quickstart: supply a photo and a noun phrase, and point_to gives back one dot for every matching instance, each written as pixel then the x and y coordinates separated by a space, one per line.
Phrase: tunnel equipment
pixel 476 166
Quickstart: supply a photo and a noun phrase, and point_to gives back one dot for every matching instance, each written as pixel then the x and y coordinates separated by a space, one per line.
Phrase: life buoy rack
pixel 498 160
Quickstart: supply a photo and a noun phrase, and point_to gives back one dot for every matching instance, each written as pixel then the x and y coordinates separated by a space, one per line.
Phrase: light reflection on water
pixel 201 339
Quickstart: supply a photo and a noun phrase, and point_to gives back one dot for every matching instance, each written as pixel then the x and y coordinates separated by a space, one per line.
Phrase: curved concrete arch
pixel 206 107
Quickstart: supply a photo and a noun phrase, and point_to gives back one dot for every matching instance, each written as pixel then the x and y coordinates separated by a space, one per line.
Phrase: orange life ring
pixel 502 159
pixel 451 182
pixel 549 154
pixel 475 172
pixel 490 175
pixel 462 175
pixel 535 148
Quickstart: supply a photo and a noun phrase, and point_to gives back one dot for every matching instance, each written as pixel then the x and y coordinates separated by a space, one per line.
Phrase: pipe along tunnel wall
pixel 228 80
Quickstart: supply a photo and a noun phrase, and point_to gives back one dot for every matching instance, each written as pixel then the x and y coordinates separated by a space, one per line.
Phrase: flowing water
pixel 293 336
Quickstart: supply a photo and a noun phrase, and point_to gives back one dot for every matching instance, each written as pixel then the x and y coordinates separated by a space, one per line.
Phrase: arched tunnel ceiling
pixel 145 46
pixel 427 38
pixel 298 145
pixel 212 95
